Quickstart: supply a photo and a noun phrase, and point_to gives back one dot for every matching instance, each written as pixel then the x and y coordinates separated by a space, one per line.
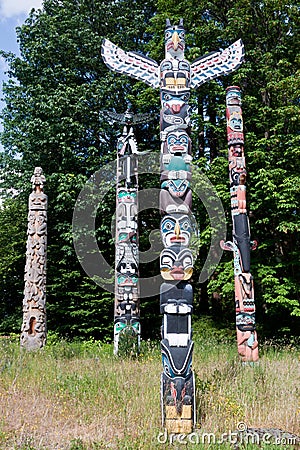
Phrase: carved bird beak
pixel 177 230
pixel 175 40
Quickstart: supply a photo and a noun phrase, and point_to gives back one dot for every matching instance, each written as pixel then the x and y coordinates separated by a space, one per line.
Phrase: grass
pixel 78 396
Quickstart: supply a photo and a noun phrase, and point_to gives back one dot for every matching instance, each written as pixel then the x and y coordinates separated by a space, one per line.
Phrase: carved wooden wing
pixel 121 118
pixel 130 63
pixel 215 64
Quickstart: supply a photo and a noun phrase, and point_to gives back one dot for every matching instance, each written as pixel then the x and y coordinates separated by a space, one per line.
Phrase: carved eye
pixel 167 261
pixel 183 66
pixel 183 140
pixel 187 261
pixel 166 97
pixel 166 65
pixel 168 34
pixel 121 211
pixel 182 35
pixel 167 225
pixel 185 225
pixel 171 140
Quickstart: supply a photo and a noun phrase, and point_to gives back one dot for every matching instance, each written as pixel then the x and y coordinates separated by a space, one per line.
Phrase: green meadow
pixel 79 396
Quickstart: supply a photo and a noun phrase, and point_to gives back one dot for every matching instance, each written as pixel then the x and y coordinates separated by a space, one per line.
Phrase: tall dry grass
pixel 78 396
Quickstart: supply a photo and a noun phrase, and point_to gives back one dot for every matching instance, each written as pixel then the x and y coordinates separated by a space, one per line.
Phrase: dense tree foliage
pixel 56 91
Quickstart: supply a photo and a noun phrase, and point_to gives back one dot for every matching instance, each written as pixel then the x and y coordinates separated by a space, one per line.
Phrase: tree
pixel 54 98
pixel 269 79
pixel 13 222
pixel 59 86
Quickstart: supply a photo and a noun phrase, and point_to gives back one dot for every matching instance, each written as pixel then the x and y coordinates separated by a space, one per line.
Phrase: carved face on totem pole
pixel 174 40
pixel 127 218
pixel 128 277
pixel 233 96
pixel 176 263
pixel 178 143
pixel 175 103
pixel 175 75
pixel 234 117
pixel 126 196
pixel 175 167
pixel 175 186
pixel 235 121
pixel 38 178
pixel 176 230
pixel 174 80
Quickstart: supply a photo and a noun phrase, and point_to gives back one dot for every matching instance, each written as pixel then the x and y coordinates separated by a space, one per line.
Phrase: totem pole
pixel 175 76
pixel 241 243
pixel 127 329
pixel 33 332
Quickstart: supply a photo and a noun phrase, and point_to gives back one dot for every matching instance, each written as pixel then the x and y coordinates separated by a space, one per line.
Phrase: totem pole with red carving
pixel 241 243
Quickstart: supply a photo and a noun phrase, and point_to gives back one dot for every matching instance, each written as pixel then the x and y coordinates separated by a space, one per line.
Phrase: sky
pixel 13 13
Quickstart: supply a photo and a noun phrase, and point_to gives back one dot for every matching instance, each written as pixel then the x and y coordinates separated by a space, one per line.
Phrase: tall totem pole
pixel 175 76
pixel 127 329
pixel 34 332
pixel 241 243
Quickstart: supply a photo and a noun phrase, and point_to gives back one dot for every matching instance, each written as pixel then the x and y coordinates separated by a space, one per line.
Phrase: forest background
pixel 54 96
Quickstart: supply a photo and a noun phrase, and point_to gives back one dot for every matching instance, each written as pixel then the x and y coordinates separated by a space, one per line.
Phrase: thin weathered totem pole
pixel 127 329
pixel 241 244
pixel 175 76
pixel 34 331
